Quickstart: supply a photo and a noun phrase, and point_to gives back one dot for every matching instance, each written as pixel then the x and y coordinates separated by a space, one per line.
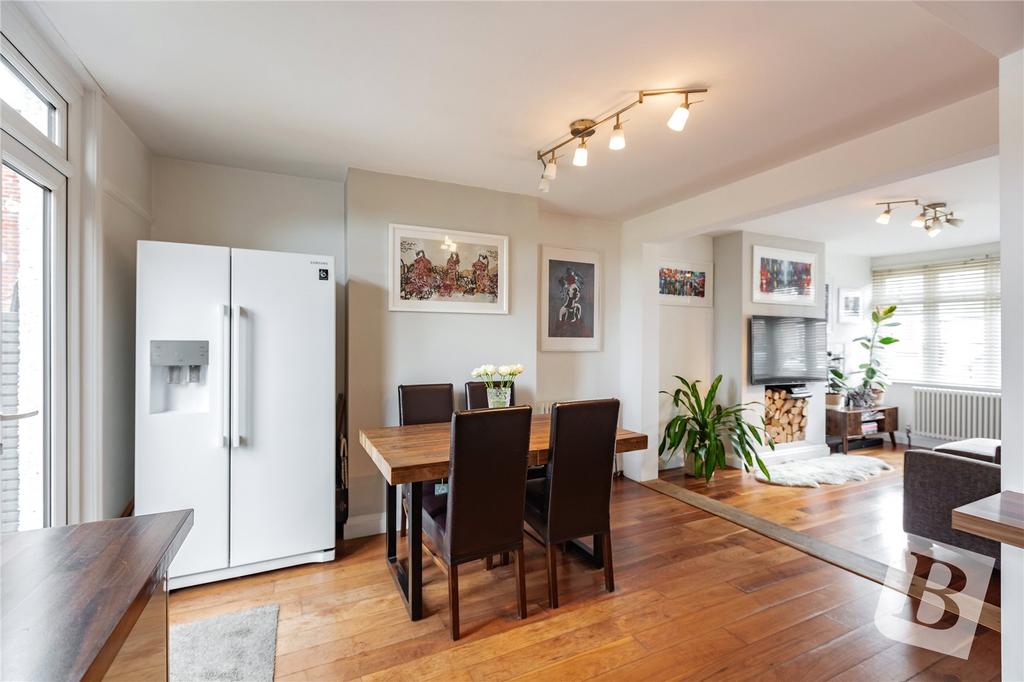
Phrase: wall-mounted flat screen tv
pixel 787 350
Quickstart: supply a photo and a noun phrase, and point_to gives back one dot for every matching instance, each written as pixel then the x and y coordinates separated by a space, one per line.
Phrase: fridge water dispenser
pixel 179 373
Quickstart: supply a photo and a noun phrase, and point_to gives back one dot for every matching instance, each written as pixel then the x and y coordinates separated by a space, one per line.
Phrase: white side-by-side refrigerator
pixel 234 404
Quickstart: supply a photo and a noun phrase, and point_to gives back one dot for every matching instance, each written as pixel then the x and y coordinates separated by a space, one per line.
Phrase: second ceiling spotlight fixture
pixel 582 129
pixel 932 217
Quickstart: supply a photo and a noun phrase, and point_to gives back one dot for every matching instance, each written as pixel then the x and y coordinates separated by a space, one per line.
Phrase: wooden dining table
pixel 412 455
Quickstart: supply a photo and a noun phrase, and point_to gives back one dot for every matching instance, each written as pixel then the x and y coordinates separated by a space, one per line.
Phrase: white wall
pixel 1011 182
pixel 685 334
pixel 579 376
pixel 847 272
pixel 391 348
pixel 124 166
pixel 200 203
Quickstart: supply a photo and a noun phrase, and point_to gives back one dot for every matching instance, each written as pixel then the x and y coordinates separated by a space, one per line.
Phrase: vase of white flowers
pixel 499 382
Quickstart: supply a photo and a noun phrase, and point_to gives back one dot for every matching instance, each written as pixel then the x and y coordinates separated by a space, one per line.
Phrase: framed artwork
pixel 570 305
pixel 784 277
pixel 446 271
pixel 851 305
pixel 685 283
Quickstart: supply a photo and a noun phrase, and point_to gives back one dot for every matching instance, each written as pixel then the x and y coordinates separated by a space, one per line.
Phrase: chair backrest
pixel 425 403
pixel 487 481
pixel 476 395
pixel 579 476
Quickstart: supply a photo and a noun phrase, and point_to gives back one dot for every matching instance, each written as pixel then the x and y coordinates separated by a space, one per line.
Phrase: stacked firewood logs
pixel 785 417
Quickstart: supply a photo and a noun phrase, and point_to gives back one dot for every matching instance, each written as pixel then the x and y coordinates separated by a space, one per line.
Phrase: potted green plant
pixel 702 427
pixel 836 390
pixel 871 391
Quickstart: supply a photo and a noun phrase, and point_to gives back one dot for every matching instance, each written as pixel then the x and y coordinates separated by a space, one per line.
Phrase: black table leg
pixel 595 557
pixel 408 579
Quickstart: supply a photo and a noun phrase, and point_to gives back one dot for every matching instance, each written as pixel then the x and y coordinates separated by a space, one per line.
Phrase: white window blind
pixel 949 322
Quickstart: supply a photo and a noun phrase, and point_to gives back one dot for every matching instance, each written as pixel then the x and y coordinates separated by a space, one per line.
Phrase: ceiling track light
pixel 932 217
pixel 583 128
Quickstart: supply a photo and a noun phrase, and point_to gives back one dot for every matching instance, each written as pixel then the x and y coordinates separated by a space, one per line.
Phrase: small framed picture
pixel 447 271
pixel 570 305
pixel 685 283
pixel 784 277
pixel 851 305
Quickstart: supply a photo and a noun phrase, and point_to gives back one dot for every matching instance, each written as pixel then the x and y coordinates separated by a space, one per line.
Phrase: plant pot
pixel 834 399
pixel 498 397
pixel 879 395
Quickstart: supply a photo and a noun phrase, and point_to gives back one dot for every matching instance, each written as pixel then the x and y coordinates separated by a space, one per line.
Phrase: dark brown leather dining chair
pixel 423 404
pixel 482 513
pixel 476 395
pixel 573 500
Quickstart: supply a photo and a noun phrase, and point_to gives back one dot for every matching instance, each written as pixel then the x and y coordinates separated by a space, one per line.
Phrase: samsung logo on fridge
pixel 323 272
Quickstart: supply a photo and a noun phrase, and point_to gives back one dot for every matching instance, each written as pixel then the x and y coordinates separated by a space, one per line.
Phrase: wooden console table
pixel 89 602
pixel 847 422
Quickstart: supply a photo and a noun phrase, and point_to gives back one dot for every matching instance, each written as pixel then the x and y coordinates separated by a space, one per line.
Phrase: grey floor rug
pixel 811 473
pixel 235 646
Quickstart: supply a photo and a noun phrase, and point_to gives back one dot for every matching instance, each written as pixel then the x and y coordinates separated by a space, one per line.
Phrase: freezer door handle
pixel 224 428
pixel 236 381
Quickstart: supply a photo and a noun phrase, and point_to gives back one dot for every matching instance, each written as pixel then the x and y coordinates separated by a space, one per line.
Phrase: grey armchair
pixel 935 483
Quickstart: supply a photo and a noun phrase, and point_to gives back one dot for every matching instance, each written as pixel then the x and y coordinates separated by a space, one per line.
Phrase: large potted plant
pixel 871 391
pixel 702 427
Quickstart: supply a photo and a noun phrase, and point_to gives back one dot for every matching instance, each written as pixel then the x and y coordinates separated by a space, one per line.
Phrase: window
pixel 31 107
pixel 949 329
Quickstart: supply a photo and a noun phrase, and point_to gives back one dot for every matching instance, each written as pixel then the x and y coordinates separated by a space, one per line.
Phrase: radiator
pixel 955 414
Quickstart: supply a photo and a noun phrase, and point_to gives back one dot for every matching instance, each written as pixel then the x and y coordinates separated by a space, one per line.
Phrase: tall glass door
pixel 32 342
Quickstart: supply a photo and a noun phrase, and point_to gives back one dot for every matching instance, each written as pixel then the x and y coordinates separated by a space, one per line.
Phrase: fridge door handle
pixel 224 428
pixel 236 366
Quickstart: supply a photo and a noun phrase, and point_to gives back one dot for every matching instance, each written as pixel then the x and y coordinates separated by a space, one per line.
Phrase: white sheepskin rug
pixel 811 473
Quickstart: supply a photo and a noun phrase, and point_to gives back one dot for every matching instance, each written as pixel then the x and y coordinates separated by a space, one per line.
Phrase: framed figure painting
pixel 685 283
pixel 570 305
pixel 785 277
pixel 446 271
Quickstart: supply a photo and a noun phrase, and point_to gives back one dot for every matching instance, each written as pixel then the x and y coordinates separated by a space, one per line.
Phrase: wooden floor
pixel 696 597
pixel 862 516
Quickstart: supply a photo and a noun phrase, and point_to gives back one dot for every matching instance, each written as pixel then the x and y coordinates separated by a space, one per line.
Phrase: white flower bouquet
pixel 501 376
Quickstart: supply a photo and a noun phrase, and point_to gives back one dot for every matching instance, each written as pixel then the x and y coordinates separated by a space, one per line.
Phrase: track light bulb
pixel 919 221
pixel 545 185
pixel 618 139
pixel 883 218
pixel 955 222
pixel 579 158
pixel 677 121
pixel 550 170
pixel 933 229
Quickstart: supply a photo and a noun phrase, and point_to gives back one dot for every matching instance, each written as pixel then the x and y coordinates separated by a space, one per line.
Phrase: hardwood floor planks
pixel 697 597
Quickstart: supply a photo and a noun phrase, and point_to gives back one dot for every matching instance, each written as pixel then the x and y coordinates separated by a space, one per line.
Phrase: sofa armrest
pixel 934 484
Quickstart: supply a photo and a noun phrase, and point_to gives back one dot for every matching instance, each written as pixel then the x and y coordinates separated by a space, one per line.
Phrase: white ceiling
pixel 467 92
pixel 847 224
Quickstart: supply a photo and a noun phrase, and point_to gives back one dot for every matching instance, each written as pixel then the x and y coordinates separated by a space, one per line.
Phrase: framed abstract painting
pixel 685 283
pixel 784 277
pixel 570 300
pixel 446 271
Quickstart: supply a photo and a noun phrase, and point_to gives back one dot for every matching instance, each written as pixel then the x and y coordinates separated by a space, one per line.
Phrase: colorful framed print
pixel 784 277
pixel 446 271
pixel 685 283
pixel 851 305
pixel 570 300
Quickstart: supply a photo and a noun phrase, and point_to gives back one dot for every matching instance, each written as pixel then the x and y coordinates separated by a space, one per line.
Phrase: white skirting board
pixel 249 569
pixel 365 525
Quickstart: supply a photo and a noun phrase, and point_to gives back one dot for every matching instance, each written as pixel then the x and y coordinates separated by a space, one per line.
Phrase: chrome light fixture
pixel 579 157
pixel 677 121
pixel 581 129
pixel 933 217
pixel 618 139
pixel 550 169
